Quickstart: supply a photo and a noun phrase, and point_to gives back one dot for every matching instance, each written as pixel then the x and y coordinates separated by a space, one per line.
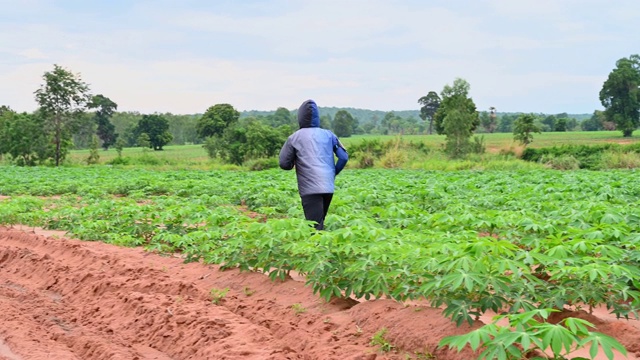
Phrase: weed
pixel 247 291
pixel 420 355
pixel 379 339
pixel 218 294
pixel 358 331
pixel 298 308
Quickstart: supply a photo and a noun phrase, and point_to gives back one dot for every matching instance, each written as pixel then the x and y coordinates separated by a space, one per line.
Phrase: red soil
pixel 68 299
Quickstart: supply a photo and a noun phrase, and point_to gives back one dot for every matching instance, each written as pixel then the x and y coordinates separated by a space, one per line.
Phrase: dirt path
pixel 68 299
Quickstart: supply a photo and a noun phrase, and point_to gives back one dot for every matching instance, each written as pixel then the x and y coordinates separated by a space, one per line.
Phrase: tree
pixel 23 138
pixel 265 141
pixel 505 125
pixel 183 128
pixel 62 98
pixel 94 156
pixel 549 123
pixel 144 141
pixel 561 124
pixel 157 128
pixel 456 97
pixel 3 129
pixel 129 134
pixel 84 131
pixel 246 140
pixel 355 125
pixel 343 123
pixel 216 119
pixel 368 127
pixel 594 123
pixel 106 130
pixel 485 119
pixel 282 116
pixel 572 124
pixel 494 117
pixel 325 122
pixel 387 121
pixel 393 123
pixel 230 146
pixel 620 95
pixel 524 127
pixel 119 145
pixel 125 123
pixel 457 118
pixel 457 127
pixel 489 121
pixel 430 104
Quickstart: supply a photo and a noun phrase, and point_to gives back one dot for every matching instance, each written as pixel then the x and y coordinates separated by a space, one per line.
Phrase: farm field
pixel 497 141
pixel 434 249
pixel 195 155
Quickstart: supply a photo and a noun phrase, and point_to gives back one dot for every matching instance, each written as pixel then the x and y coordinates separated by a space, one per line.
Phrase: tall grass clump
pixel 619 160
pixel 560 162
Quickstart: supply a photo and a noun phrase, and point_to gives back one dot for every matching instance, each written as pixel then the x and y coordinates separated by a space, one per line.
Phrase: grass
pixel 379 339
pixel 504 141
pixel 195 157
pixel 172 154
pixel 172 157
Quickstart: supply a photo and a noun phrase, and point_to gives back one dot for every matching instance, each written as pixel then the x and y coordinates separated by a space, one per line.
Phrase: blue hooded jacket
pixel 310 150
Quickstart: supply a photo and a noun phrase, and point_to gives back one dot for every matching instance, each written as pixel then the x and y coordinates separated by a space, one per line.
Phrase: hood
pixel 308 115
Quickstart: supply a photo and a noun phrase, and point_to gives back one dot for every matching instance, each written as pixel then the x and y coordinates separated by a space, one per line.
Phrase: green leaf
pixel 578 326
pixel 556 337
pixel 607 343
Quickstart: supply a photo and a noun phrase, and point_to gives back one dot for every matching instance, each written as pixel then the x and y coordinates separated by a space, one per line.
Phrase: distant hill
pixel 364 116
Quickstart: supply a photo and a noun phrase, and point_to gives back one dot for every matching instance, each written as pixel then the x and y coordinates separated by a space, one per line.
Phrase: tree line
pixel 69 116
pixel 620 96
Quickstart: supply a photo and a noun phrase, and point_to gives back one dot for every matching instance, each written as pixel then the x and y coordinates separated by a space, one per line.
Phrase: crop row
pixel 468 241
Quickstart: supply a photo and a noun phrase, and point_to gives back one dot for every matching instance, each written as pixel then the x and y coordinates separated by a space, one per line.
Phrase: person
pixel 310 150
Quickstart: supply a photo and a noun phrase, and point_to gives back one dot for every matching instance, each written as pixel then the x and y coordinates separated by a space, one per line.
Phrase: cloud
pixel 33 54
pixel 182 57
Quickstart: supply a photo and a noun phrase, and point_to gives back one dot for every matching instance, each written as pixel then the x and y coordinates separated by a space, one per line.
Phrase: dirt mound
pixel 626 332
pixel 67 299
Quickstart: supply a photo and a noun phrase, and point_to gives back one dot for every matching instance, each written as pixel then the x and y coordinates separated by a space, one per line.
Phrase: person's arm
pixel 342 155
pixel 287 156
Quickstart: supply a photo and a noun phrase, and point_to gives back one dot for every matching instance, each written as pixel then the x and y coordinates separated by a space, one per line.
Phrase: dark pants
pixel 315 208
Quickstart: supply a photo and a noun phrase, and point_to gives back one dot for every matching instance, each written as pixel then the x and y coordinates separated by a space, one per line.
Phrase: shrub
pixel 507 153
pixel 262 164
pixel 365 161
pixel 478 145
pixel 367 152
pixel 395 158
pixel 588 156
pixel 120 161
pixel 618 160
pixel 419 146
pixel 562 162
pixel 146 159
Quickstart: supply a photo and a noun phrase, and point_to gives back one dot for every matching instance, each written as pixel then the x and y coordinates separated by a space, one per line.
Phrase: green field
pixel 195 156
pixel 497 141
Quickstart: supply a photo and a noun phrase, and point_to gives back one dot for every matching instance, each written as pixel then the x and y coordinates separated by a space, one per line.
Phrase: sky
pixel 183 56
